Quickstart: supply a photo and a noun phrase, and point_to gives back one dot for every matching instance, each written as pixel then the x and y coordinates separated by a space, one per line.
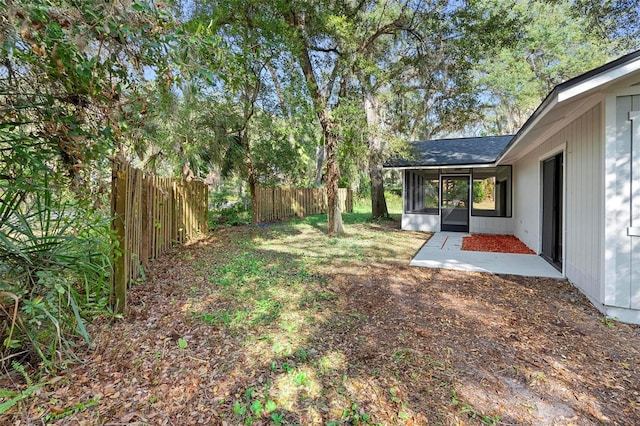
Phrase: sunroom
pixel 454 185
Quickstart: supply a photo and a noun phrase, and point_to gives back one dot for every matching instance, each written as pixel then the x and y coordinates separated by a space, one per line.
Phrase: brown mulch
pixel 495 243
pixel 407 346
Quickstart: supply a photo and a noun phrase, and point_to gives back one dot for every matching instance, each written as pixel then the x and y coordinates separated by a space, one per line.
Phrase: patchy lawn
pixel 283 325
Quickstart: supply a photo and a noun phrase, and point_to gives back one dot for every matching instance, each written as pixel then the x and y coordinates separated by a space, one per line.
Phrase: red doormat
pixel 495 243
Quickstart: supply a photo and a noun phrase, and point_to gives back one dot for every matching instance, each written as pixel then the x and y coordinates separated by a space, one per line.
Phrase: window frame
pixel 412 190
pixel 411 187
pixel 508 207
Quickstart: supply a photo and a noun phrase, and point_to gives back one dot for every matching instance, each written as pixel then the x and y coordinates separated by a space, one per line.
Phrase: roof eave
pixel 442 166
pixel 599 80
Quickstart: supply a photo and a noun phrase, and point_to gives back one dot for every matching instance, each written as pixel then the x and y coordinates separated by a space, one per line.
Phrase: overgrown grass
pixel 271 292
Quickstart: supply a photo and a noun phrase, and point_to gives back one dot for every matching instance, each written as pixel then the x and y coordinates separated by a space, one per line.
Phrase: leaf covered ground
pixel 281 324
pixel 495 243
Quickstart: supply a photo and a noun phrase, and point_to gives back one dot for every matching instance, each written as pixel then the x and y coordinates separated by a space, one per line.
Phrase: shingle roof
pixel 453 152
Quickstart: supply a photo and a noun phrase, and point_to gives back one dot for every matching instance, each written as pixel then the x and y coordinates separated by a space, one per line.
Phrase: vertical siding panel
pixel 634 220
pixel 586 211
pixel 622 181
pixel 587 141
pixel 590 192
pixel 581 209
pixel 572 171
pixel 596 217
pixel 584 198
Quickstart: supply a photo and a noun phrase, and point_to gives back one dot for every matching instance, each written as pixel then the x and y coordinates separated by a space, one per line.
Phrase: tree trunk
pixel 321 106
pixel 252 192
pixel 334 217
pixel 251 178
pixel 378 200
pixel 374 142
pixel 320 155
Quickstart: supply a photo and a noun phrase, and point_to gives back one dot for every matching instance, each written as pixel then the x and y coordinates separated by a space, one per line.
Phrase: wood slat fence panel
pixel 151 215
pixel 281 203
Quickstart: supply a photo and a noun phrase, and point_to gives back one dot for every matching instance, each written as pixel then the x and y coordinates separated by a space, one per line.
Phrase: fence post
pixel 119 201
pixel 145 206
pixel 205 220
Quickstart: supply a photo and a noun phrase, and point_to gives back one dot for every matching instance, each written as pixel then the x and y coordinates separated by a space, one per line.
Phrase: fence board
pixel 151 214
pixel 281 203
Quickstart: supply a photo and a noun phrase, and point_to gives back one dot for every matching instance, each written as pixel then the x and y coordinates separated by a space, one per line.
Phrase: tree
pixel 414 71
pixel 71 93
pixel 552 47
pixel 70 77
pixel 236 59
pixel 313 28
pixel 616 21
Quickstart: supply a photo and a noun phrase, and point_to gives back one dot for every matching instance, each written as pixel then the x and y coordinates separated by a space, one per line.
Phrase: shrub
pixel 54 257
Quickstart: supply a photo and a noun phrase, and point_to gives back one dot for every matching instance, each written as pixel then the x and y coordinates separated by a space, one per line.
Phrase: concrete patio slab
pixel 444 250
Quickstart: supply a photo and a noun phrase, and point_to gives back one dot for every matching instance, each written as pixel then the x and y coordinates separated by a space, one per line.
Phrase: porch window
pixel 421 191
pixel 491 192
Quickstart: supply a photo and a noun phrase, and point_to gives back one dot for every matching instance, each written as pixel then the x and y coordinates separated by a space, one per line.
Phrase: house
pixel 567 184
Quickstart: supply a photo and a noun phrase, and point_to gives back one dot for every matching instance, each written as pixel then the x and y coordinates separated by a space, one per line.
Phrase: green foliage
pixel 239 408
pixel 551 46
pixel 253 408
pixel 613 20
pixel 608 322
pixel 72 90
pixel 12 397
pixel 301 379
pixel 236 214
pixel 75 409
pixel 55 259
pixel 182 343
pixel 356 416
pixel 67 82
pixel 277 419
pixel 479 192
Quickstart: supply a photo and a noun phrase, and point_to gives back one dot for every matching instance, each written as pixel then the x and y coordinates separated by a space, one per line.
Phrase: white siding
pixel 634 234
pixel 622 288
pixel 491 225
pixel 583 197
pixel 421 222
pixel 478 224
pixel 584 165
pixel 417 221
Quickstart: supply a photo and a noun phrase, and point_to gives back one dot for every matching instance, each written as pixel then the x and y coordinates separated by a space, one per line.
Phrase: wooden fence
pixel 151 214
pixel 280 203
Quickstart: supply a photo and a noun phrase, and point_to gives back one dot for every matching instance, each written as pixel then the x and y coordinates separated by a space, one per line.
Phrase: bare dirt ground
pixel 283 325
